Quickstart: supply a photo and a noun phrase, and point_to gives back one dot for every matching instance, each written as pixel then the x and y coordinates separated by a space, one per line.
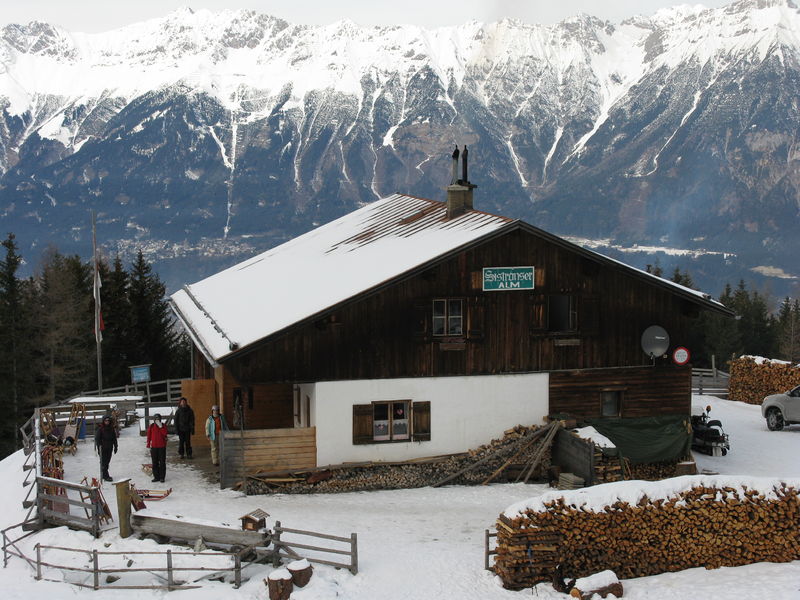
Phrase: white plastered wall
pixel 466 412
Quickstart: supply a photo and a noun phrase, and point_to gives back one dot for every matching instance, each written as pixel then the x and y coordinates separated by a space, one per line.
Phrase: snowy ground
pixel 422 543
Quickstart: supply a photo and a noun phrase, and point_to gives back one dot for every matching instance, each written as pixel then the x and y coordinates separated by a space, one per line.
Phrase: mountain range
pixel 203 138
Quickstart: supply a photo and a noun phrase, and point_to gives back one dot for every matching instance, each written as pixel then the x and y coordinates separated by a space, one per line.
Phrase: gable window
pixel 391 421
pixel 561 313
pixel 448 317
pixel 610 403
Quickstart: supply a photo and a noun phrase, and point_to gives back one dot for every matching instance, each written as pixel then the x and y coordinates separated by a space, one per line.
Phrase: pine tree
pixel 788 330
pixel 655 269
pixel 721 333
pixel 14 341
pixel 683 279
pixel 153 338
pixel 65 326
pixel 116 315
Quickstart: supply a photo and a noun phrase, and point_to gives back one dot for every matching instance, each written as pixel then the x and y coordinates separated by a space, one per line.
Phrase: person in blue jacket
pixel 214 424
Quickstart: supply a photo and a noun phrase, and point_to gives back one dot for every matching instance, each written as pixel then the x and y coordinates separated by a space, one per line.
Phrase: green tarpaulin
pixel 647 439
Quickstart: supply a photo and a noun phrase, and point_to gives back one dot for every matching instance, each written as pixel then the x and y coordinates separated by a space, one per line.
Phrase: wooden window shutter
pixel 362 423
pixel 475 317
pixel 538 313
pixel 422 421
pixel 420 316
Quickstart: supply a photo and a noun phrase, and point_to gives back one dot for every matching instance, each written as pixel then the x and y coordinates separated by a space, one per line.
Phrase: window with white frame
pixel 448 317
pixel 390 421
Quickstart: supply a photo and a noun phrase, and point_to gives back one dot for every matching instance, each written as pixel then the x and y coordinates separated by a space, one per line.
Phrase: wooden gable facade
pixel 582 322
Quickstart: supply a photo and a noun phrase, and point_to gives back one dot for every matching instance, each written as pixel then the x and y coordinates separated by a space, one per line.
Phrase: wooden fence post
pixel 169 570
pixel 124 507
pixel 39 501
pixel 95 571
pixel 486 549
pixel 38 562
pixel 354 553
pixel 276 538
pixel 237 573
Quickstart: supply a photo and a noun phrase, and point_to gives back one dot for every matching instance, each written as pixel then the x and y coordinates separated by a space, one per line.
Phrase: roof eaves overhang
pixel 700 299
pixel 185 322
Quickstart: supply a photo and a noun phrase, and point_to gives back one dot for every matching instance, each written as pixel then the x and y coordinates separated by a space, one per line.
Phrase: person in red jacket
pixel 157 442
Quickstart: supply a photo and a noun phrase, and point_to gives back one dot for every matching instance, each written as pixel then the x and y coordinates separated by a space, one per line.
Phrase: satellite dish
pixel 655 341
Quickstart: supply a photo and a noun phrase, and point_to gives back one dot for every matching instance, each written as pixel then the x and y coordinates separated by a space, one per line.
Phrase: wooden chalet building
pixel 413 328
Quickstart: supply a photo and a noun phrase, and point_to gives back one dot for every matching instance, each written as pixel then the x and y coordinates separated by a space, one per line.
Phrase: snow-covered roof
pixel 322 268
pixel 338 261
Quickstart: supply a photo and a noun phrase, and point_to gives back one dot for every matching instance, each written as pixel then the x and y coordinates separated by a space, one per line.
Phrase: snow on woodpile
pixel 638 528
pixel 594 436
pixel 754 377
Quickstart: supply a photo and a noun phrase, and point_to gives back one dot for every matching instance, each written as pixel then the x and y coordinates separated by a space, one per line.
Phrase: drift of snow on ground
pixel 413 544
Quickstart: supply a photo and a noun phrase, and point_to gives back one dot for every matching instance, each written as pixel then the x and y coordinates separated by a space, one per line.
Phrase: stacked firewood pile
pixel 750 382
pixel 709 523
pixel 652 471
pixel 607 468
pixel 523 454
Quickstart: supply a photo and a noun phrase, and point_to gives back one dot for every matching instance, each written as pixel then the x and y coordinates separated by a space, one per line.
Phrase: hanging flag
pixel 99 326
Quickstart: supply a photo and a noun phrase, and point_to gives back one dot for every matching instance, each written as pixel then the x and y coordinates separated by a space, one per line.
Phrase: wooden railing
pixel 46 501
pixel 712 382
pixel 169 568
pixel 166 390
pixel 286 548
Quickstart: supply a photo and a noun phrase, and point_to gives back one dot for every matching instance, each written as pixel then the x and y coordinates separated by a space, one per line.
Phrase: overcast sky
pixel 102 15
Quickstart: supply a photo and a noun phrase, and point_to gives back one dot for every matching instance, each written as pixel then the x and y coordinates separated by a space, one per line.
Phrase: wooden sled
pixel 136 500
pixel 153 494
pixel 104 513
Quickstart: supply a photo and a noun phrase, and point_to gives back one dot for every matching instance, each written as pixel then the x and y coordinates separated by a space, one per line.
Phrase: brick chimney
pixel 459 192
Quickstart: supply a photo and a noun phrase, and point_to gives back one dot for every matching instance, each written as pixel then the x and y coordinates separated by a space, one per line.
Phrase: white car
pixel 782 409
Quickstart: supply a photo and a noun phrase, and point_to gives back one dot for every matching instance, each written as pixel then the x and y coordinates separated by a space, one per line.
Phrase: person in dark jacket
pixel 157 442
pixel 184 426
pixel 105 442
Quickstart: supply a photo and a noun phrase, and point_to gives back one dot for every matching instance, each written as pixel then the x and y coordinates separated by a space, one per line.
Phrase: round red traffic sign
pixel 681 355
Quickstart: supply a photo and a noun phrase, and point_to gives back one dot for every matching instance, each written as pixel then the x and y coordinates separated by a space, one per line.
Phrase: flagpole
pixel 98 336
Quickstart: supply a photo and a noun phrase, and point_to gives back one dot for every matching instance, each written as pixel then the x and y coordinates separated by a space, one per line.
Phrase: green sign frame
pixel 505 279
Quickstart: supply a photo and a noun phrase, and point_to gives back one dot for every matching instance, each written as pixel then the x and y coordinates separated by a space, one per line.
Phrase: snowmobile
pixel 708 436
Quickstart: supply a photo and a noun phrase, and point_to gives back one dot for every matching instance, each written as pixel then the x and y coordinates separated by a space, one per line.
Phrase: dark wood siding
pixel 388 333
pixel 646 391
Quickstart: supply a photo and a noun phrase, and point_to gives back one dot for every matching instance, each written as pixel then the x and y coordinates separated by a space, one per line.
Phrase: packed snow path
pixel 421 543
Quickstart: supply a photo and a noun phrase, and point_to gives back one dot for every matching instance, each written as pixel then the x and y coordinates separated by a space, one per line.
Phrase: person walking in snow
pixel 214 425
pixel 157 442
pixel 105 442
pixel 184 427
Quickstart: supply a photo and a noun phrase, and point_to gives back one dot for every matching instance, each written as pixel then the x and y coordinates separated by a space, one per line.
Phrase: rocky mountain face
pixel 205 137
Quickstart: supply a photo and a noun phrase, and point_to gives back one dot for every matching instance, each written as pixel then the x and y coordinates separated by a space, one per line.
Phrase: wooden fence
pixel 286 548
pixel 711 382
pixel 53 504
pixel 166 390
pixel 170 583
pixel 258 450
